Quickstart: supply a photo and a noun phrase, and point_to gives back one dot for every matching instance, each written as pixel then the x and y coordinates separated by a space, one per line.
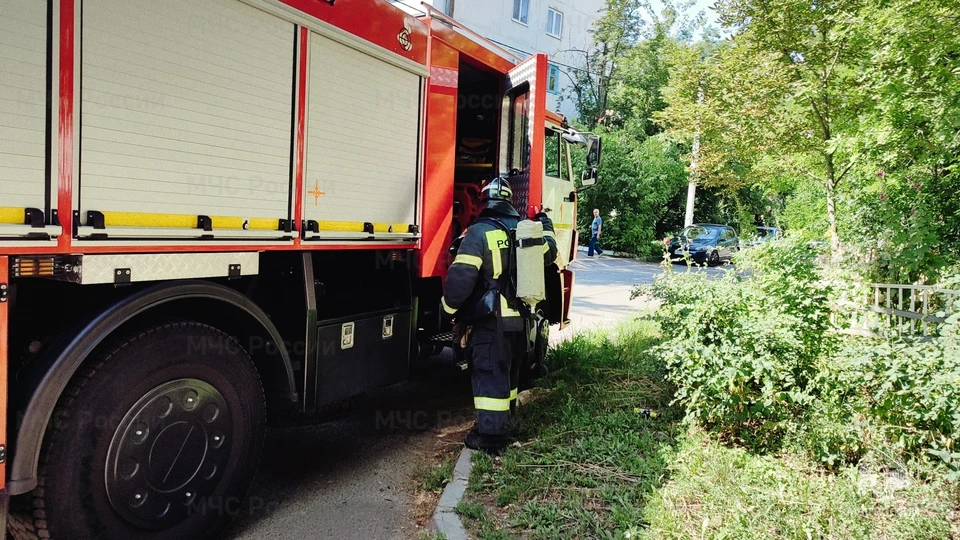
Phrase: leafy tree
pixel 615 33
pixel 627 63
pixel 912 137
pixel 783 95
pixel 641 180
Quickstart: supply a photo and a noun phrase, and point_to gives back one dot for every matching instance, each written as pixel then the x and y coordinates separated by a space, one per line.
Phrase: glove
pixel 446 320
pixel 542 217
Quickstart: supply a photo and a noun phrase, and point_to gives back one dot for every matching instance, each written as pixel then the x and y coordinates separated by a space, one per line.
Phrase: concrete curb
pixel 445 519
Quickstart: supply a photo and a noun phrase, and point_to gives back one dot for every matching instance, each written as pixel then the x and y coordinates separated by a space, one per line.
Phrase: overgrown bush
pixel 743 349
pixel 910 389
pixel 755 360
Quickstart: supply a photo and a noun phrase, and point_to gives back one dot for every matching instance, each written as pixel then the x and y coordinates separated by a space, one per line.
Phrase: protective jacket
pixel 484 257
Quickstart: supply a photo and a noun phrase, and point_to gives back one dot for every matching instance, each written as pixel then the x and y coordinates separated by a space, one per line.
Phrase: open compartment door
pixel 523 117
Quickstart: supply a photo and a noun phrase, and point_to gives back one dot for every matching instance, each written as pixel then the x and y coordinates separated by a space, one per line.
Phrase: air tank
pixel 530 279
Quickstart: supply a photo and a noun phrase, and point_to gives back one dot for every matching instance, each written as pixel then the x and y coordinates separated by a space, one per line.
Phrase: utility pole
pixel 694 165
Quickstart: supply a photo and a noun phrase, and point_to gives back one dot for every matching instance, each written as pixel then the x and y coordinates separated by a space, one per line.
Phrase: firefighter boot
pixel 491 444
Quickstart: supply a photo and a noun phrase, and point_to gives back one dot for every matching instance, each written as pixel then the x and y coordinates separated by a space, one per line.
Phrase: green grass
pixel 590 453
pixel 434 477
pixel 604 455
pixel 479 522
pixel 720 492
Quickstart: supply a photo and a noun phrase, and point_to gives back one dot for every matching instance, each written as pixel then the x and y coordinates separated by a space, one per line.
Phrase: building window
pixel 554 22
pixel 520 9
pixel 446 6
pixel 553 80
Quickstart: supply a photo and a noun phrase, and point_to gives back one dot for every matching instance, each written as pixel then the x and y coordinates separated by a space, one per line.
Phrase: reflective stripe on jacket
pixel 482 254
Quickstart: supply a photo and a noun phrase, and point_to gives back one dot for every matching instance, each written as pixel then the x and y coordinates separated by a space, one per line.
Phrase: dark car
pixel 763 235
pixel 705 243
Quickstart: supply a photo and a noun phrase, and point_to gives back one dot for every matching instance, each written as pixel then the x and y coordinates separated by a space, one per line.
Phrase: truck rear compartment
pixel 477 138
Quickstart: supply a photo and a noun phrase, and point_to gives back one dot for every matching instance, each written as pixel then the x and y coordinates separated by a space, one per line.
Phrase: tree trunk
pixel 694 165
pixel 691 197
pixel 832 206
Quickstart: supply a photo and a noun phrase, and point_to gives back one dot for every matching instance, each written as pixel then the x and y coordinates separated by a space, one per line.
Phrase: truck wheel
pixel 159 438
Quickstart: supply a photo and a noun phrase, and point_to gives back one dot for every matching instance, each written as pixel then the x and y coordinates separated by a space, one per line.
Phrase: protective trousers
pixel 496 374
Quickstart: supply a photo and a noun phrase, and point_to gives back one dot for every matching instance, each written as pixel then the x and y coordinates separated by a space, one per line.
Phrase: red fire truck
pixel 217 215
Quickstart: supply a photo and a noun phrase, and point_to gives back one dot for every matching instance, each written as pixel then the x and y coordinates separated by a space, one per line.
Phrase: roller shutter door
pixel 23 110
pixel 362 142
pixel 186 109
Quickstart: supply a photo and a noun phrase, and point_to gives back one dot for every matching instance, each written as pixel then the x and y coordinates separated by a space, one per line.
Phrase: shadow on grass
pixel 590 450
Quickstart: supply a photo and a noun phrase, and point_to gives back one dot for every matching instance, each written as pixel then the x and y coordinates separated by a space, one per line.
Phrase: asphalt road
pixel 603 286
pixel 353 478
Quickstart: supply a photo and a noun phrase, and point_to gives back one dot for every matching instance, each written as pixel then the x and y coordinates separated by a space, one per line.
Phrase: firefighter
pixel 480 294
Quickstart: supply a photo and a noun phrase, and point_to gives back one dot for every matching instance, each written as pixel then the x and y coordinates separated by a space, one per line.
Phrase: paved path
pixel 351 478
pixel 602 289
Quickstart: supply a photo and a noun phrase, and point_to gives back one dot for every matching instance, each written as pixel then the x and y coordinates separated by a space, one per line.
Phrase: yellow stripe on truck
pixel 394 228
pixel 341 226
pixel 357 226
pixel 138 219
pixel 185 221
pixel 12 216
pixel 258 224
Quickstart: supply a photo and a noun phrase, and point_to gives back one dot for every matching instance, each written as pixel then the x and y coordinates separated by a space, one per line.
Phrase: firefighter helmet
pixel 497 189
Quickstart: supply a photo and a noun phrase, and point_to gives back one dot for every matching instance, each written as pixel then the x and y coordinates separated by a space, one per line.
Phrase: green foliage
pixel 847 111
pixel 643 180
pixel 755 360
pixel 897 230
pixel 743 351
pixel 615 33
pixel 805 210
pixel 910 389
pixel 627 63
pixel 601 455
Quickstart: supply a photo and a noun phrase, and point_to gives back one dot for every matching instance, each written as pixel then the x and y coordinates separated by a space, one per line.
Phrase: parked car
pixel 705 243
pixel 763 235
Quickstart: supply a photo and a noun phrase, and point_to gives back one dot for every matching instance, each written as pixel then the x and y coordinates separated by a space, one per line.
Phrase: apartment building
pixel 559 28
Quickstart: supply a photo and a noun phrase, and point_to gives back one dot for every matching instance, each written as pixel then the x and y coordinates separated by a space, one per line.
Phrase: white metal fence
pixel 881 310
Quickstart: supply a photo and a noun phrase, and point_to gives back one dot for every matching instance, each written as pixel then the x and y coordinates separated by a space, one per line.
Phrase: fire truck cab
pixel 217 216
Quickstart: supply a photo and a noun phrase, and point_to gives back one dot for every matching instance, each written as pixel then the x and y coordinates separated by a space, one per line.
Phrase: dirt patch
pixel 442 445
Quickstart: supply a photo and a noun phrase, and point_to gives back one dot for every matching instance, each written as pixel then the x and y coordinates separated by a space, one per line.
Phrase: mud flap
pixel 554 304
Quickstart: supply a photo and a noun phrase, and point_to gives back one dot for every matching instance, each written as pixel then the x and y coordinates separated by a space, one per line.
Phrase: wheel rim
pixel 168 453
pixel 715 257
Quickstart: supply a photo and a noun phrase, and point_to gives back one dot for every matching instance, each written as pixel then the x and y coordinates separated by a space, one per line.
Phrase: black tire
pixel 714 258
pixel 190 386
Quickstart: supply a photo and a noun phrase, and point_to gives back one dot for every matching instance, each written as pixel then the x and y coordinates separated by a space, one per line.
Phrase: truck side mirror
pixel 594 149
pixel 589 177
